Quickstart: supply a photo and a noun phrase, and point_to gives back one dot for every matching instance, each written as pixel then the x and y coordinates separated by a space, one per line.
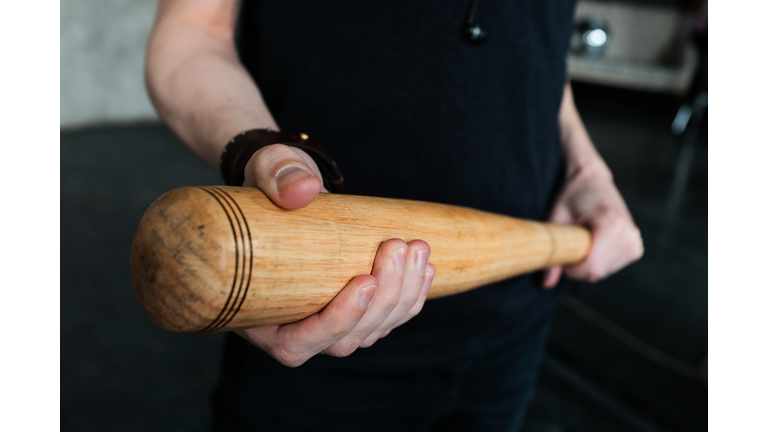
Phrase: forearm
pixel 196 81
pixel 580 154
pixel 590 198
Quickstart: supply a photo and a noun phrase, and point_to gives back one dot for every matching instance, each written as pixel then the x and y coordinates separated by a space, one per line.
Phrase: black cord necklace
pixel 472 32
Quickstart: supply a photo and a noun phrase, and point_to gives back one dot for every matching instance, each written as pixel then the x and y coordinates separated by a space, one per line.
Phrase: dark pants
pixel 487 393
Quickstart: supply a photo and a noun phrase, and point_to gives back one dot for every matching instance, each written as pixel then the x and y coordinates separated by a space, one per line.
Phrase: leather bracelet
pixel 239 150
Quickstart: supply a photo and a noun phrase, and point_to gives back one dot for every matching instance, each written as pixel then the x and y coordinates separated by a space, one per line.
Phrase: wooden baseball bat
pixel 215 258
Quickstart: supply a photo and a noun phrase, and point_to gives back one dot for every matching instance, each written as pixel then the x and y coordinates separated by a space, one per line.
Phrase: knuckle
pixel 337 329
pixel 639 247
pixel 593 272
pixel 613 214
pixel 409 298
pixel 288 357
pixel 273 150
pixel 369 341
pixel 639 251
pixel 392 305
pixel 619 218
pixel 415 310
pixel 593 276
pixel 341 348
pixel 612 220
pixel 269 152
pixel 268 159
pixel 389 301
pixel 403 305
pixel 409 315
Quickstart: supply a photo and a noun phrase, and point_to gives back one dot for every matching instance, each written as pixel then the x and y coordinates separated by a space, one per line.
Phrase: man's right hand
pixel 369 306
pixel 204 94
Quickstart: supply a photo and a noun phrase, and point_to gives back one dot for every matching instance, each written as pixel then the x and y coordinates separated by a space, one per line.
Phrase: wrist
pixel 587 167
pixel 225 131
pixel 239 152
pixel 581 157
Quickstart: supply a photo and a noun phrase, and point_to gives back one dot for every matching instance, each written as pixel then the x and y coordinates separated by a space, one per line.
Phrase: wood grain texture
pixel 216 258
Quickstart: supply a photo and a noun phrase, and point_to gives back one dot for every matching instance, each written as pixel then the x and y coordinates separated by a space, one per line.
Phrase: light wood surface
pixel 216 258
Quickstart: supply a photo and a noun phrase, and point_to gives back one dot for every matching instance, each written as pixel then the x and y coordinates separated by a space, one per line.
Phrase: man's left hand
pixel 590 198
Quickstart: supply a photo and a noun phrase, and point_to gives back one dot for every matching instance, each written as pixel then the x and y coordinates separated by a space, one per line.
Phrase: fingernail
pixel 366 296
pixel 290 175
pixel 398 259
pixel 422 257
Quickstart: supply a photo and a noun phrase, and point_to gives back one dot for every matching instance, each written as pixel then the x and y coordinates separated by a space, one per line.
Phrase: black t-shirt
pixel 409 109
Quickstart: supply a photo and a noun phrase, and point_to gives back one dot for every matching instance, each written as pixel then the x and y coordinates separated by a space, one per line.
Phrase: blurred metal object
pixel 681 119
pixel 472 32
pixel 590 37
pixel 632 45
pixel 689 127
pixel 680 123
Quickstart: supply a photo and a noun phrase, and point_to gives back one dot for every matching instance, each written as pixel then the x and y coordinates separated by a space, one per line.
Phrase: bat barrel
pixel 214 258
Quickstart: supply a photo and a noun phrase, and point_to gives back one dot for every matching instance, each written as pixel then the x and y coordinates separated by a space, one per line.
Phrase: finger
pixel 389 269
pixel 552 276
pixel 287 175
pixel 594 266
pixel 616 243
pixel 295 343
pixel 413 281
pixel 560 215
pixel 626 248
pixel 429 276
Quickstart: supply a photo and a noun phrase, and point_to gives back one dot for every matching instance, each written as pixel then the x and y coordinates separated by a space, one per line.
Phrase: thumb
pixel 287 175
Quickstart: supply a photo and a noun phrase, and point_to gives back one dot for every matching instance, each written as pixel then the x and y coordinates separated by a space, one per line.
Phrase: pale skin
pixel 205 95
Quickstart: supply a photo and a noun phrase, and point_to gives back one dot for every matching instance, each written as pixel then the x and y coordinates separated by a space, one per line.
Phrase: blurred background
pixel 628 353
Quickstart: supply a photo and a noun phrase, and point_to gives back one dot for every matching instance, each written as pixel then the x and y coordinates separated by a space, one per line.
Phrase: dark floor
pixel 662 299
pixel 119 371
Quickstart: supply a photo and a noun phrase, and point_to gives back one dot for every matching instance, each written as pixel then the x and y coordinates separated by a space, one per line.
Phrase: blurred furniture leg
pixel 688 124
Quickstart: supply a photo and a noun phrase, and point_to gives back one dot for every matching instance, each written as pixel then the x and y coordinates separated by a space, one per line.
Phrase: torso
pixel 408 109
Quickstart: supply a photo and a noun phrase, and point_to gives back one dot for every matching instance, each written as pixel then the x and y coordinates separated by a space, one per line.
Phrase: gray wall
pixel 103 41
pixel 102 60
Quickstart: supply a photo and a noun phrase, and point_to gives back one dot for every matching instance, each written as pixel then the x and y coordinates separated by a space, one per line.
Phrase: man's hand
pixel 590 199
pixel 369 306
pixel 205 95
